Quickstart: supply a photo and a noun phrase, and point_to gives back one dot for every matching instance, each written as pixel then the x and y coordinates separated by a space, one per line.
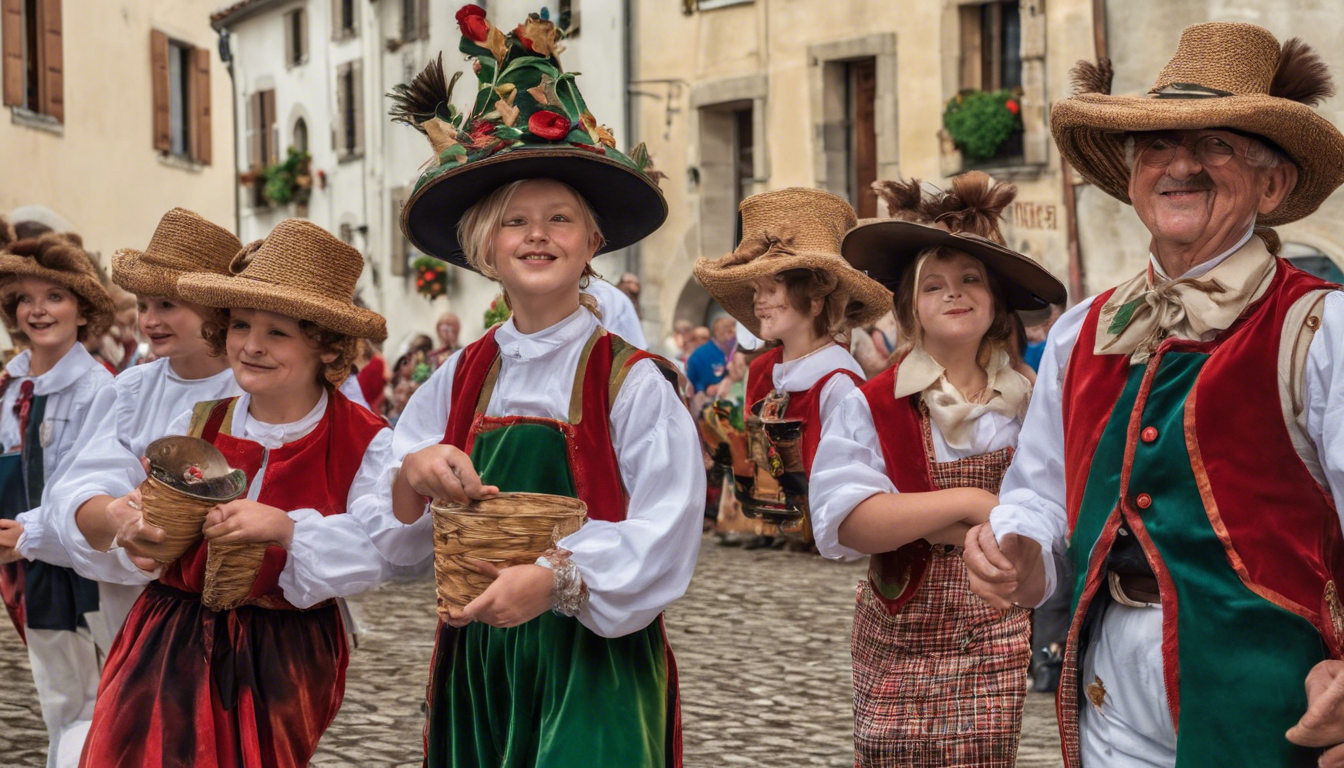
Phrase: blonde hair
pixel 476 234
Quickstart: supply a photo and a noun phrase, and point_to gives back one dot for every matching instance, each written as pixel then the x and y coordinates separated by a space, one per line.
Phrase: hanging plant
pixel 288 181
pixel 431 277
pixel 979 122
pixel 498 312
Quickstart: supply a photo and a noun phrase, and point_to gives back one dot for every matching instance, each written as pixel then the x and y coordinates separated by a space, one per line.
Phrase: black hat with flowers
pixel 528 121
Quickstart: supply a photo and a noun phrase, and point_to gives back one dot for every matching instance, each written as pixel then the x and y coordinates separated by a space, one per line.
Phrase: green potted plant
pixel 982 123
pixel 288 181
pixel 431 277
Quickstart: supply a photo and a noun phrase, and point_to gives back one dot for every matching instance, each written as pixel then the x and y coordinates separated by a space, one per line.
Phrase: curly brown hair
pixel 215 331
pixel 62 253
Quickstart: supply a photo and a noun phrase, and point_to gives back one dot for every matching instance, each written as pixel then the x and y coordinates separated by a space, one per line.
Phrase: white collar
pixel 799 375
pixel 72 366
pixel 276 435
pixel 526 346
pixel 1204 267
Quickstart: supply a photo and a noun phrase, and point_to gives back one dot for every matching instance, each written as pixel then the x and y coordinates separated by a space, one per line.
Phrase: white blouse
pixel 850 467
pixel 132 413
pixel 71 387
pixel 633 569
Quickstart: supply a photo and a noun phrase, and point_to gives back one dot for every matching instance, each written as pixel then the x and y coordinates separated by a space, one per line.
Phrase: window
pixel 861 136
pixel 414 20
pixel 296 37
pixel 34 77
pixel 263 140
pixel 349 111
pixel 344 19
pixel 301 135
pixel 180 81
pixel 727 171
pixel 567 19
pixel 991 46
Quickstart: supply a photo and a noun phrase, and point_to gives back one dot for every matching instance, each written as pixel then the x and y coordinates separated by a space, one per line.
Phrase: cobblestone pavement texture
pixel 762 643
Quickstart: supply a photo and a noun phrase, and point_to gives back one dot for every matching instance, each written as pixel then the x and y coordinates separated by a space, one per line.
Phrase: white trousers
pixel 114 605
pixel 1123 668
pixel 65 671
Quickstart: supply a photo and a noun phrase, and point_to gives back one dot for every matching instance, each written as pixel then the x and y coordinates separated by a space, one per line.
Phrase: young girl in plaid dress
pixel 912 461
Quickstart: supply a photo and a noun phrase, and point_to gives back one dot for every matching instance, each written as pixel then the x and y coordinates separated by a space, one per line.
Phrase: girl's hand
pixel 10 531
pixel 244 521
pixel 519 594
pixel 446 473
pixel 140 539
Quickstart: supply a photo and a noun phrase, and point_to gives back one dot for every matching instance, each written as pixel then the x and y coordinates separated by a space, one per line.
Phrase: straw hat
pixel 60 259
pixel 792 228
pixel 1224 75
pixel 529 121
pixel 183 243
pixel 964 219
pixel 301 271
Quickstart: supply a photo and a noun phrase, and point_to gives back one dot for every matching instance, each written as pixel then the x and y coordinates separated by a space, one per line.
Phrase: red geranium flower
pixel 548 125
pixel 518 33
pixel 1012 106
pixel 471 20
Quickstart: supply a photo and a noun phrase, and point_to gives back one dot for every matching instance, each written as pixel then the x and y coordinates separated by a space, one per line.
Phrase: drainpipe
pixel 1077 276
pixel 226 56
pixel 633 257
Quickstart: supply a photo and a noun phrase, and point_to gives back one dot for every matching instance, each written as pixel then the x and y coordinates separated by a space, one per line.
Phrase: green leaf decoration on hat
pixel 523 100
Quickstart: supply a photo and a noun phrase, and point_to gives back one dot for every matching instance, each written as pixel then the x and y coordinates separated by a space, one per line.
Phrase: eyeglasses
pixel 1159 151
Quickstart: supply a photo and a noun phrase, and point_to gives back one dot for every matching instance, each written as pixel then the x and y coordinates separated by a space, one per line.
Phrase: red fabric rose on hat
pixel 1012 106
pixel 471 20
pixel 548 125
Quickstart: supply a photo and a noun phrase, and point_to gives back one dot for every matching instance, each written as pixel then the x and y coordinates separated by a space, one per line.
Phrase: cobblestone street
pixel 762 642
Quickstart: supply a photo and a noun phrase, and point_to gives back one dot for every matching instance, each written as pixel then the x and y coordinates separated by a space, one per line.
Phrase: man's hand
pixel 10 531
pixel 1323 723
pixel 244 521
pixel 1011 576
pixel 446 473
pixel 519 594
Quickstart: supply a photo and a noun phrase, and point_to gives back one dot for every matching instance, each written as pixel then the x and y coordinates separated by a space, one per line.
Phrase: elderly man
pixel 1186 437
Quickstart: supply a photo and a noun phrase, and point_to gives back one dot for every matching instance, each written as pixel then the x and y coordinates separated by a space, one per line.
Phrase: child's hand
pixel 247 522
pixel 445 473
pixel 10 531
pixel 519 594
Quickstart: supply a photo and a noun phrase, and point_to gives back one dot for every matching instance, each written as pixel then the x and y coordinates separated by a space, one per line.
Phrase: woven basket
pixel 178 514
pixel 230 572
pixel 510 529
pixel 177 503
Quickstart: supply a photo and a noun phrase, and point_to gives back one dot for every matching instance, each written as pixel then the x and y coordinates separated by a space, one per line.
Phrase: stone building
pixel 113 114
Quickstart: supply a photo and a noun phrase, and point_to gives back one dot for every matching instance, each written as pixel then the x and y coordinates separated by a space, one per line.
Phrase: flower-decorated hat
pixel 183 243
pixel 964 219
pixel 528 120
pixel 794 228
pixel 1223 75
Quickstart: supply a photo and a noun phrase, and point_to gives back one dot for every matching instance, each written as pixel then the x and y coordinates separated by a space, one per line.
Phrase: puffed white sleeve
pixel 848 469
pixel 1032 498
pixel 634 569
pixel 332 556
pixel 422 423
pixel 1323 389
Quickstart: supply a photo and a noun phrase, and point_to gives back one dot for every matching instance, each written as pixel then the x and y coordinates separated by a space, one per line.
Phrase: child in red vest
pixel 911 461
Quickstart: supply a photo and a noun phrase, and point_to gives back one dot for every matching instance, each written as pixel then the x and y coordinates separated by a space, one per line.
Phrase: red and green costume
pixel 1244 542
pixel 550 693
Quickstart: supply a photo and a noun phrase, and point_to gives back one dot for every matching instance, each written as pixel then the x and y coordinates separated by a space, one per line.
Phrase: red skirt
pixel 247 688
pixel 942 682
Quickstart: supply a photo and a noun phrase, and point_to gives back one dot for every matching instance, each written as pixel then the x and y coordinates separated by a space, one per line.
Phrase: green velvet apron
pixel 549 693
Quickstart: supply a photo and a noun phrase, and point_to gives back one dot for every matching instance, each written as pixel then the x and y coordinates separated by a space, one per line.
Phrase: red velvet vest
pixel 606 361
pixel 804 406
pixel 313 472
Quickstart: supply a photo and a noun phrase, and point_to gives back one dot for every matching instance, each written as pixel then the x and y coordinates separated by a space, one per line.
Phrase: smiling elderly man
pixel 1186 438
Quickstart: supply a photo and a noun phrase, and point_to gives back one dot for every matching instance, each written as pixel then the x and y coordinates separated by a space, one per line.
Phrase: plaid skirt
pixel 942 682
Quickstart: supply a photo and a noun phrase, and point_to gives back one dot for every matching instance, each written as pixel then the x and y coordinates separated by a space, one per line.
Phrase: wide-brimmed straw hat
pixel 60 259
pixel 528 121
pixel 1224 75
pixel 182 244
pixel 963 219
pixel 300 271
pixel 792 228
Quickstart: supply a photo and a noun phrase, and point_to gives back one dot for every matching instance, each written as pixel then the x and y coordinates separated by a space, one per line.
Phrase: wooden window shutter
pixel 200 114
pixel 158 69
pixel 422 20
pixel 269 127
pixel 52 61
pixel 291 55
pixel 972 52
pixel 11 28
pixel 398 266
pixel 341 106
pixel 254 131
pixel 357 82
pixel 303 35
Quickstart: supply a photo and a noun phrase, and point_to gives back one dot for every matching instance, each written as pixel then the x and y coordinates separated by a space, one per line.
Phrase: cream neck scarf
pixel 954 415
pixel 1148 309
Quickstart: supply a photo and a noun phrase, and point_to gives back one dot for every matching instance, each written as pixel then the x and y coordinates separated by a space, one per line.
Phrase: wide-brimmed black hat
pixel 529 121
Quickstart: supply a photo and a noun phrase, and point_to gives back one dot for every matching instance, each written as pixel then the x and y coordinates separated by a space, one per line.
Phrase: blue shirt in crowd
pixel 706 366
